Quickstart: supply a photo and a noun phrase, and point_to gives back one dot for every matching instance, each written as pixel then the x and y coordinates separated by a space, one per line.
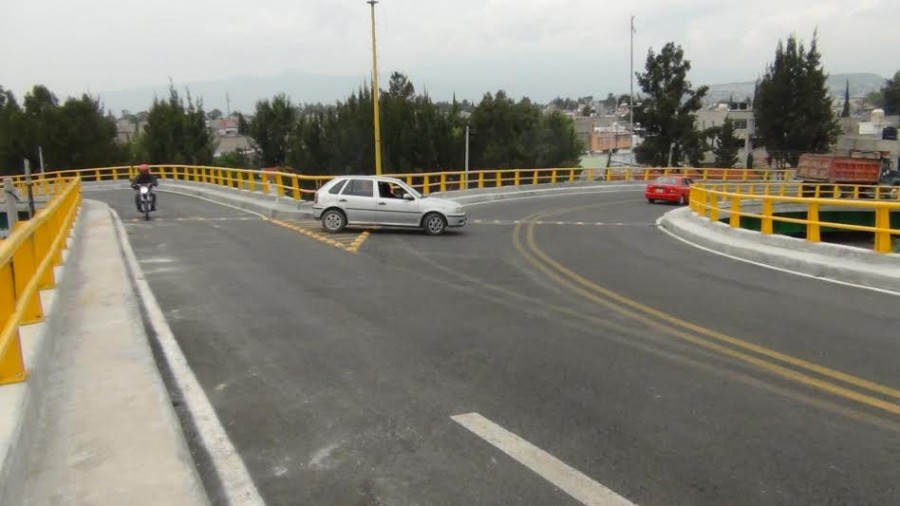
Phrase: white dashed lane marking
pixel 548 467
pixel 562 223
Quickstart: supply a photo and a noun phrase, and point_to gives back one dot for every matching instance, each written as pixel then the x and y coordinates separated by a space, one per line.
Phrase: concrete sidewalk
pixel 106 433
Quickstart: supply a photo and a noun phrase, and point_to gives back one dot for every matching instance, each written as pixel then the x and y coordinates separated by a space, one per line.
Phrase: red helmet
pixel 143 167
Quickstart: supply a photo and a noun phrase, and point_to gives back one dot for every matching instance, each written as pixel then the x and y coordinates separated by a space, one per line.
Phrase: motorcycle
pixel 145 199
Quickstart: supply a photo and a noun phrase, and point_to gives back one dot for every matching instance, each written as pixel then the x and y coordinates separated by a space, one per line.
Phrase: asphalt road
pixel 667 374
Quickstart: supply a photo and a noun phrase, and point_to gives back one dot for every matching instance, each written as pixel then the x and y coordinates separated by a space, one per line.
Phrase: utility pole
pixel 29 189
pixel 467 150
pixel 748 142
pixel 377 121
pixel 41 158
pixel 631 81
pixel 227 105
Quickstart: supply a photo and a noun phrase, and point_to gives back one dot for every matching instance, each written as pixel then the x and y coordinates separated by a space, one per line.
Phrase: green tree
pixel 13 148
pixel 890 95
pixel 726 145
pixel 666 113
pixel 272 127
pixel 793 108
pixel 243 125
pixel 81 136
pixel 176 133
pixel 610 103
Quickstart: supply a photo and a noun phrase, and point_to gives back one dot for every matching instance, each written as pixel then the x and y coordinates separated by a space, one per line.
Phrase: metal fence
pixel 27 259
pixel 758 201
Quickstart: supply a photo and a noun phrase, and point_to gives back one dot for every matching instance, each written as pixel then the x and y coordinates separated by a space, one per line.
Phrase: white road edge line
pixel 215 202
pixel 566 478
pixel 774 268
pixel 237 484
pixel 458 200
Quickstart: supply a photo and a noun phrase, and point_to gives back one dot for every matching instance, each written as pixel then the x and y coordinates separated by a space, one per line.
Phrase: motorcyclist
pixel 144 177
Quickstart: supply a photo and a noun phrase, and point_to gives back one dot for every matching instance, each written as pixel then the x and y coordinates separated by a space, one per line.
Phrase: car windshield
pixel 408 189
pixel 666 180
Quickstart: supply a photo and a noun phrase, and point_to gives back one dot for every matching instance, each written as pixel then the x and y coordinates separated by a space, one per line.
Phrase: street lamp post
pixel 377 121
pixel 467 150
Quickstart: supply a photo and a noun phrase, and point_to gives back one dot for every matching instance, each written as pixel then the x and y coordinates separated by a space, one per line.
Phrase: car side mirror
pixel 407 196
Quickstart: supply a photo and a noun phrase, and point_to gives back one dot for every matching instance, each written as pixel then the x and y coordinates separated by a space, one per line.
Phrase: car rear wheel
pixel 651 201
pixel 682 200
pixel 434 224
pixel 333 221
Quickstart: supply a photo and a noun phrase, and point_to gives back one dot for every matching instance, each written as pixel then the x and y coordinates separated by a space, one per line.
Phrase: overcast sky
pixel 528 47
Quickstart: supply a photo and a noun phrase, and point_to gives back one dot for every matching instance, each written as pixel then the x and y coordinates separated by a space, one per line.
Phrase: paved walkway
pixel 107 433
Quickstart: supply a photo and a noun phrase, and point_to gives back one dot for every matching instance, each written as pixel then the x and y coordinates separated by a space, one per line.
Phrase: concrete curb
pixel 831 261
pixel 19 403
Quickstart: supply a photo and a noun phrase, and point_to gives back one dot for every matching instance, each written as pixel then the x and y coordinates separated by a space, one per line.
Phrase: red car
pixel 670 189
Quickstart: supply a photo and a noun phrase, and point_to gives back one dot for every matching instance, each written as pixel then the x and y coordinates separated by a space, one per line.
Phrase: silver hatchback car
pixel 383 201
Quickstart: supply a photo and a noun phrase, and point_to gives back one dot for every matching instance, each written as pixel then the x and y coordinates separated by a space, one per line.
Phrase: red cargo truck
pixel 864 169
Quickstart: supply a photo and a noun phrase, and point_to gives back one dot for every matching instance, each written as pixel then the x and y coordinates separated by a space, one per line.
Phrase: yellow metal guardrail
pixel 27 259
pixel 758 201
pixel 303 187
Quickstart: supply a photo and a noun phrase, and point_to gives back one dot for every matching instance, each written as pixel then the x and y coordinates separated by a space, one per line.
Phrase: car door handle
pixel 342 200
pixel 382 203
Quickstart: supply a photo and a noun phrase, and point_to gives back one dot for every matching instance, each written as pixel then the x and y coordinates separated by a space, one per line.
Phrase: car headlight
pixel 459 210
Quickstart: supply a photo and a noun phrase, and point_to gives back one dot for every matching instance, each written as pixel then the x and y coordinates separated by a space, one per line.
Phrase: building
pixel 870 136
pixel 741 116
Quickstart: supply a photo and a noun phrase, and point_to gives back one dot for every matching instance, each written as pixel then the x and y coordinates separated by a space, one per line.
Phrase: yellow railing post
pixel 499 179
pixel 813 227
pixel 735 219
pixel 534 177
pixel 43 240
pixel 426 185
pixel 767 226
pixel 553 176
pixel 877 193
pixel 883 226
pixel 516 178
pixel 713 206
pixel 279 184
pixel 571 175
pixel 480 180
pixel 443 185
pixel 24 268
pixel 856 192
pixel 409 180
pixel 295 182
pixel 12 365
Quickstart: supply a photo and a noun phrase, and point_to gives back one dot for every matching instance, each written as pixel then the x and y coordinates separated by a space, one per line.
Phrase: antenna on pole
pixel 227 105
pixel 631 81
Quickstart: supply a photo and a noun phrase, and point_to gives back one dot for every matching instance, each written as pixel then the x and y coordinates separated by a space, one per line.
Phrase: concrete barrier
pixel 822 260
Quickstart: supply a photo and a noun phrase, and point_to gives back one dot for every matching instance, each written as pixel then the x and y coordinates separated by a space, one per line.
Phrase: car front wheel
pixel 333 221
pixel 434 224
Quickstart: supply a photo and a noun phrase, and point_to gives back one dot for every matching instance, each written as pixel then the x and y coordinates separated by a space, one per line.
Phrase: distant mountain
pixel 861 84
pixel 244 91
pixel 302 87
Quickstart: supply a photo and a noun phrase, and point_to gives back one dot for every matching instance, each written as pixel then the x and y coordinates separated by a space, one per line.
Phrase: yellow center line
pixel 349 244
pixel 559 273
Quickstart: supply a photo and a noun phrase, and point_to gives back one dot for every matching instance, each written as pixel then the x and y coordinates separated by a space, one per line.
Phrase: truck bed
pixel 838 169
